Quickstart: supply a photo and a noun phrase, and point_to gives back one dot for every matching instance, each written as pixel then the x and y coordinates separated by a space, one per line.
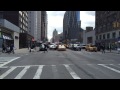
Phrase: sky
pixel 55 20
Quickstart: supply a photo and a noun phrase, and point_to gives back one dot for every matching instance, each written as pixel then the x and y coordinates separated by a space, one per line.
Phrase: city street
pixel 60 65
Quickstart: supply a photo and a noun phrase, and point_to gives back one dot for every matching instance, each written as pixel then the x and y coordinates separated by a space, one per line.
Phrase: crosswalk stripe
pixel 9 61
pixel 7 72
pixel 115 70
pixel 4 60
pixel 19 76
pixel 1 62
pixel 38 73
pixel 72 73
pixel 55 71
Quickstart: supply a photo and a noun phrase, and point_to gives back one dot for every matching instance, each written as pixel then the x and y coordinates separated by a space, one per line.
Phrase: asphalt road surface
pixel 60 65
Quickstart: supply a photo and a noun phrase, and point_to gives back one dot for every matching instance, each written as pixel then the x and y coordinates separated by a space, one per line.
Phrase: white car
pixel 52 46
pixel 77 47
pixel 83 46
pixel 61 48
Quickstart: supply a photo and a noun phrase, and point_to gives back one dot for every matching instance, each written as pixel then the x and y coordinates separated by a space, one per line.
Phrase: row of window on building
pixel 112 35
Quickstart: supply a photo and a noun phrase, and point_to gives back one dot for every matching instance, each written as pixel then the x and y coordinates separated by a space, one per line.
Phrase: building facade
pixel 20 19
pixel 9 33
pixel 32 25
pixel 43 26
pixel 107 28
pixel 39 25
pixel 55 33
pixel 89 36
pixel 71 25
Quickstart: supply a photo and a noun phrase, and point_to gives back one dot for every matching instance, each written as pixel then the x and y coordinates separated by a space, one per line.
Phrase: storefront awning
pixel 8 37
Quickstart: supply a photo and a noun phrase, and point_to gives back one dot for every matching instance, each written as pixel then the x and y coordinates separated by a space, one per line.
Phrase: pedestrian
pixel 30 48
pixel 40 47
pixel 103 48
pixel 12 49
pixel 110 47
pixel 7 49
pixel 45 48
pixel 3 48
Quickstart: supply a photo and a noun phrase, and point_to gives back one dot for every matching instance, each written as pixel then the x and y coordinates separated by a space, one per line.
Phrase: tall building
pixel 89 36
pixel 71 25
pixel 20 19
pixel 55 33
pixel 107 28
pixel 44 26
pixel 32 24
pixel 39 25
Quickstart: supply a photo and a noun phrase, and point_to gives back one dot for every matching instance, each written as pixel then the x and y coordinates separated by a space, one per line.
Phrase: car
pixel 42 48
pixel 52 46
pixel 76 47
pixel 83 46
pixel 91 47
pixel 61 48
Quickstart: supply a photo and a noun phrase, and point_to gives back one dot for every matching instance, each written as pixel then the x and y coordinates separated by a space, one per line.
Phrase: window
pixel 1 16
pixel 114 25
pixel 117 24
pixel 108 36
pixel 113 35
pixel 103 36
pixel 100 37
pixel 96 37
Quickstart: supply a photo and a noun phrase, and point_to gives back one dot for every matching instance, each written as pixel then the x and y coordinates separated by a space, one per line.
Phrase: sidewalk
pixel 22 51
pixel 25 50
pixel 112 51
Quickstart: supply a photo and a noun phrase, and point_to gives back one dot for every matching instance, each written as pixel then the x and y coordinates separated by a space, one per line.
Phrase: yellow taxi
pixel 91 47
pixel 61 47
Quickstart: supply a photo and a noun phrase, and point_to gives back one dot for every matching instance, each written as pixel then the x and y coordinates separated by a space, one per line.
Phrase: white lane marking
pixel 1 62
pixel 54 69
pixel 115 65
pixel 72 73
pixel 38 73
pixel 4 67
pixel 9 61
pixel 4 60
pixel 7 72
pixel 115 70
pixel 39 65
pixel 19 76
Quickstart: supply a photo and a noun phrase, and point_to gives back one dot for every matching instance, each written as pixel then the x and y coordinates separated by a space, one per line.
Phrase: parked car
pixel 61 48
pixel 91 47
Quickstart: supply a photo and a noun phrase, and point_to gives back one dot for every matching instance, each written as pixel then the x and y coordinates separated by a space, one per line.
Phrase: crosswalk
pixel 38 71
pixel 6 60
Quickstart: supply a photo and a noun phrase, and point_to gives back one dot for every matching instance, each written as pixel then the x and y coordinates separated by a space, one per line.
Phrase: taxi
pixel 61 47
pixel 91 47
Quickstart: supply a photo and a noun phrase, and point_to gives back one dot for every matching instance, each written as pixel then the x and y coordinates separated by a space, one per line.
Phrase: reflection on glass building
pixel 78 15
pixel 71 25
